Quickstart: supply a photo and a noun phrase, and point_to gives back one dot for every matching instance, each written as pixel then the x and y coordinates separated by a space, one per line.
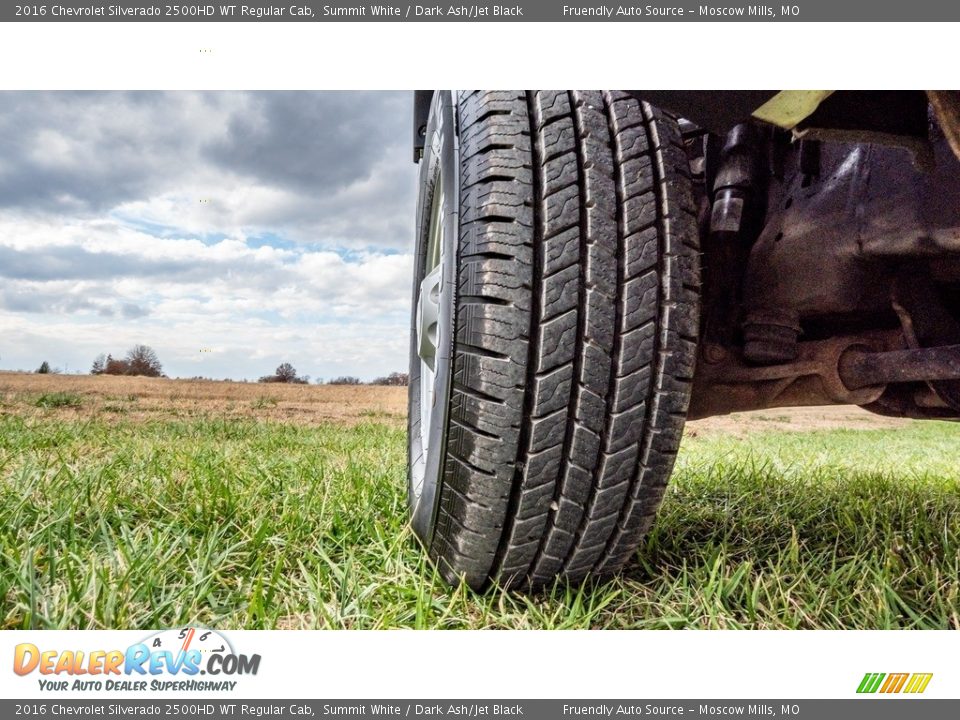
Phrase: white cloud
pixel 206 220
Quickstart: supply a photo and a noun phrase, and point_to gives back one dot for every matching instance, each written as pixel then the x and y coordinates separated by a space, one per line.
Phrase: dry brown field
pixel 138 398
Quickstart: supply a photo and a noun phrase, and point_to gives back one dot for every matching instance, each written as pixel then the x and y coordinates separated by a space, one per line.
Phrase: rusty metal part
pixel 927 324
pixel 946 106
pixel 861 369
pixel 770 336
pixel 926 399
pixel 901 401
pixel 713 353
pixel 733 385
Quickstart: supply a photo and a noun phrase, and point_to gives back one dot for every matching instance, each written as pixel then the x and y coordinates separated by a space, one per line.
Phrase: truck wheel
pixel 554 332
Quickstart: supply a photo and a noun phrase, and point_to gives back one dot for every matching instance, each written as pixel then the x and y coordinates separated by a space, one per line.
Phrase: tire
pixel 567 318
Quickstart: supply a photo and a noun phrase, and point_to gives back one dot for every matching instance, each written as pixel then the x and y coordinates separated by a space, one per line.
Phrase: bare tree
pixel 142 360
pixel 285 373
pixel 99 365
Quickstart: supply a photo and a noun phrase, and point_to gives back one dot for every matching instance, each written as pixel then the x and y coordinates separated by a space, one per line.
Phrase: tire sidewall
pixel 438 165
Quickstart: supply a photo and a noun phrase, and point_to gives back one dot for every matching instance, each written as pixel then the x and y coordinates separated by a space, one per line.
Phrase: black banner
pixel 874 708
pixel 483 11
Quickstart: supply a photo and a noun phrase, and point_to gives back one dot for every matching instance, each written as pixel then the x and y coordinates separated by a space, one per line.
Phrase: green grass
pixel 109 523
pixel 58 400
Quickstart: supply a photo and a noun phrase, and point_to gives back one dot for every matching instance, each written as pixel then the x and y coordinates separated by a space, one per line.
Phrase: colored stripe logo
pixel 913 683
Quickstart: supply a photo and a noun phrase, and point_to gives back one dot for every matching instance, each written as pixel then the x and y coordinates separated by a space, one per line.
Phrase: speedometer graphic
pixel 181 640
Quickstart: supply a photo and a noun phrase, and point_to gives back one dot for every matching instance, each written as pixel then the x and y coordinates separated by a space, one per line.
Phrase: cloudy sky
pixel 229 231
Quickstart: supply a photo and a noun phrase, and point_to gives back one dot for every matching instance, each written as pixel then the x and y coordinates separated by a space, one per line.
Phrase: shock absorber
pixel 739 183
pixel 736 213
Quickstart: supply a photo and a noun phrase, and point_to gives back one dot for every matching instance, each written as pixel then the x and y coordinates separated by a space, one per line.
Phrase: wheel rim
pixel 429 332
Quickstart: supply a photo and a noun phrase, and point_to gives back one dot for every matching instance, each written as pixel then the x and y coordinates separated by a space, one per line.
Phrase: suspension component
pixel 860 368
pixel 737 176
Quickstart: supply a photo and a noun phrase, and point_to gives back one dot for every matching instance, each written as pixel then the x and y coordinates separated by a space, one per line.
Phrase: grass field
pixel 128 503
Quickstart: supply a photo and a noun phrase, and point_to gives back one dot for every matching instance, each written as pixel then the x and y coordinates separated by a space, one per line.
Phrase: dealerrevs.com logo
pixel 169 660
pixel 892 683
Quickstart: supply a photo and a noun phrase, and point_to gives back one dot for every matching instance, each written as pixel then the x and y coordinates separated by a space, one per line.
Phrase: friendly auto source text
pixel 609 711
pixel 610 11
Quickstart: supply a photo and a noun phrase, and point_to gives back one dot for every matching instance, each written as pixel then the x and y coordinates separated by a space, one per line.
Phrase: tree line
pixel 142 360
pixel 139 360
pixel 286 373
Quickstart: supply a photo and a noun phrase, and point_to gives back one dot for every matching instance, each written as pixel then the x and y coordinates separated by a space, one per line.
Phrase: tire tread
pixel 575 334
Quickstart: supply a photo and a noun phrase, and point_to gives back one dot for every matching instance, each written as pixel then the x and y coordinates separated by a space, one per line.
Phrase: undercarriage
pixel 830 261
